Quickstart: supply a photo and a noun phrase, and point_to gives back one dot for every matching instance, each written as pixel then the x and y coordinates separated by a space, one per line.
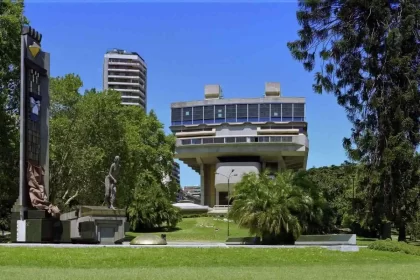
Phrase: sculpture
pixel 111 183
pixel 37 195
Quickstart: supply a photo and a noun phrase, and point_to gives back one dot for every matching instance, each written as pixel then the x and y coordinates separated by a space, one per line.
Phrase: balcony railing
pixel 298 139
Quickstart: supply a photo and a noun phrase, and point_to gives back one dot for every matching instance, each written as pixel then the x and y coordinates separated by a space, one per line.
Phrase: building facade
pixel 176 173
pixel 126 72
pixel 174 176
pixel 224 139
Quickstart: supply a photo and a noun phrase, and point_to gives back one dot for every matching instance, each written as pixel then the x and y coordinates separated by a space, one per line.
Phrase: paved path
pixel 183 245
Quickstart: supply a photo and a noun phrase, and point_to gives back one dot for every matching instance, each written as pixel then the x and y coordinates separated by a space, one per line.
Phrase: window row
pixel 227 140
pixel 239 112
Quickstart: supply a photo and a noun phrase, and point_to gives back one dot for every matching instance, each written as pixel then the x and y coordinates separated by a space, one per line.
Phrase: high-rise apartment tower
pixel 126 72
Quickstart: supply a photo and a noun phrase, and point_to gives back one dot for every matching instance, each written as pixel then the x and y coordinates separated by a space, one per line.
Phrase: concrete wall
pixel 231 130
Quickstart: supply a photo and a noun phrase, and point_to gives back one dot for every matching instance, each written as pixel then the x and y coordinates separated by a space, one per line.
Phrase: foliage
pixel 87 132
pixel 280 208
pixel 390 246
pixel 146 212
pixel 369 55
pixel 10 22
pixel 413 228
pixel 336 184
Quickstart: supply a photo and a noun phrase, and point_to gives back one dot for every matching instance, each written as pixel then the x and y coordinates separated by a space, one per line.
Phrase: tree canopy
pixel 10 22
pixel 368 54
pixel 88 131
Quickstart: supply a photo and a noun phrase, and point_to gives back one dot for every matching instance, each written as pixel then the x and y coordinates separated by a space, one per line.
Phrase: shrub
pixel 195 215
pixel 151 208
pixel 391 246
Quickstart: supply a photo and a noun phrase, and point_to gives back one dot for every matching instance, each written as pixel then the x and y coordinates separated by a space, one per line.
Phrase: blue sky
pixel 188 45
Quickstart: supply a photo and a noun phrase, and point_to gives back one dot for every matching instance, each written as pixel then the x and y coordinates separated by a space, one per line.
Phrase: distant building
pixel 176 172
pixel 223 139
pixel 174 176
pixel 126 72
pixel 194 191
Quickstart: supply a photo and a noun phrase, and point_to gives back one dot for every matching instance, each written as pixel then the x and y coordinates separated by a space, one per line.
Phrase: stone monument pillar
pixel 32 212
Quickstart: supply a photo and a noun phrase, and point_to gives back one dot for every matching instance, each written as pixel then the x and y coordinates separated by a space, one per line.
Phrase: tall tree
pixel 369 55
pixel 87 132
pixel 11 20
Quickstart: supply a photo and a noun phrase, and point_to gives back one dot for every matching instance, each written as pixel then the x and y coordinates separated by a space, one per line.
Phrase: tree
pixel 336 184
pixel 278 209
pixel 150 206
pixel 369 55
pixel 10 22
pixel 87 132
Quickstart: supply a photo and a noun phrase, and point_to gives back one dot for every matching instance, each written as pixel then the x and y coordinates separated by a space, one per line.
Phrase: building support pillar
pixel 202 182
pixel 282 164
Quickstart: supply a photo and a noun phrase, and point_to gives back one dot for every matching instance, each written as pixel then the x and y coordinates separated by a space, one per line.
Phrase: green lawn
pixel 201 229
pixel 214 229
pixel 211 263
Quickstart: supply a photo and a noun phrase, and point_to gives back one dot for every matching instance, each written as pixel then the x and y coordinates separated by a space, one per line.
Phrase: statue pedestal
pixel 39 227
pixel 96 224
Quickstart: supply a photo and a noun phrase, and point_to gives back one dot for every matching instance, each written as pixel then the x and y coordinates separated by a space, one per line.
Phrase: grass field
pixel 201 229
pixel 199 263
pixel 211 263
pixel 213 229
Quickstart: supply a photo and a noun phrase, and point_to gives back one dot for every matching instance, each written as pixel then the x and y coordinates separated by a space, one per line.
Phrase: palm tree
pixel 278 209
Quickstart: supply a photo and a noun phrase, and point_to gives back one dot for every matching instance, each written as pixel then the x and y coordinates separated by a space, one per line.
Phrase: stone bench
pixel 327 240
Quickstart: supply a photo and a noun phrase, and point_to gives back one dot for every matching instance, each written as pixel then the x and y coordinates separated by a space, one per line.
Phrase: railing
pixel 238 120
pixel 299 139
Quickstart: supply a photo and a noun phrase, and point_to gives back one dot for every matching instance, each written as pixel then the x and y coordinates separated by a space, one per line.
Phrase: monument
pixel 34 218
pixel 111 183
pixel 100 224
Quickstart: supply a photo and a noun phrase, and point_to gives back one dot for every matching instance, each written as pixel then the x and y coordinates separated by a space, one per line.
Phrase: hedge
pixel 392 246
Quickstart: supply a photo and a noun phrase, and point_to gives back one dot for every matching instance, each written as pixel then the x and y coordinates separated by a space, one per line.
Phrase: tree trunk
pixel 402 235
pixel 385 231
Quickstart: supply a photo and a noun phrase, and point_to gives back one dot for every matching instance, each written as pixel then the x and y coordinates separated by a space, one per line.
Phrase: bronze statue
pixel 111 183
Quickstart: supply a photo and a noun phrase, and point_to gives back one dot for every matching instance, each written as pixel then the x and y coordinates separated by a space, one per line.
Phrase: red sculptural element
pixel 37 195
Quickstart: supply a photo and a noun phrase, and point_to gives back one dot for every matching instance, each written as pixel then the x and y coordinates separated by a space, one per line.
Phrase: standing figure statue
pixel 111 183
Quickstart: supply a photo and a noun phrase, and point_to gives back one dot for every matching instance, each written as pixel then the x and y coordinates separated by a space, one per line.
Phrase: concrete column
pixel 202 195
pixel 281 164
pixel 217 197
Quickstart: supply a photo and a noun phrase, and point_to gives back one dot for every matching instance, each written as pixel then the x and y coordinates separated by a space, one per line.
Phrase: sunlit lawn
pixel 202 229
pixel 211 263
pixel 215 230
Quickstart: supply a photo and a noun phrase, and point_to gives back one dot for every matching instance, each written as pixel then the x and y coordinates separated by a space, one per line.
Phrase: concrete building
pixel 193 191
pixel 174 176
pixel 126 72
pixel 216 136
pixel 176 172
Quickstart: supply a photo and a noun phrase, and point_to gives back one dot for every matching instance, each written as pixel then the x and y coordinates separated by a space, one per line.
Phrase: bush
pixel 391 246
pixel 195 215
pixel 151 208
